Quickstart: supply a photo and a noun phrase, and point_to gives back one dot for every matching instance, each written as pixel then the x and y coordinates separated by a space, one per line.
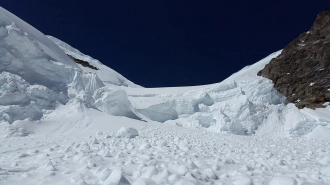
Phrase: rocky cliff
pixel 302 71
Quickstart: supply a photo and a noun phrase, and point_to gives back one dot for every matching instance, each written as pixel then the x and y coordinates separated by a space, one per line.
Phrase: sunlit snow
pixel 62 123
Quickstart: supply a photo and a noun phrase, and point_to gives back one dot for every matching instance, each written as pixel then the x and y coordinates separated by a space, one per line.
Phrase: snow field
pixel 163 154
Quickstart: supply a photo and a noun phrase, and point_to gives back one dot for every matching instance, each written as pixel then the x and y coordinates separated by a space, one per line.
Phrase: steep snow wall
pixel 25 56
pixel 34 72
pixel 243 104
pixel 36 76
pixel 114 102
pixel 9 19
pixel 106 74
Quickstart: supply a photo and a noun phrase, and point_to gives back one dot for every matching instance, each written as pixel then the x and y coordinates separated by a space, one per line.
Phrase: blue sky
pixel 172 43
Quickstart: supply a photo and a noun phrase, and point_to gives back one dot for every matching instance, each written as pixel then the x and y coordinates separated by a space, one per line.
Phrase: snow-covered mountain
pixel 239 131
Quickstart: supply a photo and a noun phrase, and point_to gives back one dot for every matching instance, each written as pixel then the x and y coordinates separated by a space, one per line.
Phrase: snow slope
pixel 106 74
pixel 244 103
pixel 34 71
pixel 37 76
pixel 58 124
pixel 18 26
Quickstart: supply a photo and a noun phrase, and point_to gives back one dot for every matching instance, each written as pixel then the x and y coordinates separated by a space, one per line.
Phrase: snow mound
pixel 326 170
pixel 320 133
pixel 243 181
pixel 127 132
pixel 159 112
pixel 283 180
pixel 116 178
pixel 144 181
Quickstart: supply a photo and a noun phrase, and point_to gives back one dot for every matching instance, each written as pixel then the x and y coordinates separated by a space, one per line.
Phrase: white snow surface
pixel 106 74
pixel 127 132
pixel 17 26
pixel 62 123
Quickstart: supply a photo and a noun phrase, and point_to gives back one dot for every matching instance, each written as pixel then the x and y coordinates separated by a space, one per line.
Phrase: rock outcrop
pixel 83 63
pixel 302 71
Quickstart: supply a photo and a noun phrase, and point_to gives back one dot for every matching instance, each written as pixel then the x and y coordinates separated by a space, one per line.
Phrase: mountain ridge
pixel 301 71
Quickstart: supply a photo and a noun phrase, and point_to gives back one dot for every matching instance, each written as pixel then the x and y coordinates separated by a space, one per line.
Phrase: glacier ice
pixel 159 112
pixel 106 74
pixel 37 77
pixel 20 100
pixel 113 101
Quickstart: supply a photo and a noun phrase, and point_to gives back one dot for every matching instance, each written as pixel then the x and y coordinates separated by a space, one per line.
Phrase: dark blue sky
pixel 172 43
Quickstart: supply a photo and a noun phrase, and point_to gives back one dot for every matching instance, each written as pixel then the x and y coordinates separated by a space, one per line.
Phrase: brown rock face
pixel 302 71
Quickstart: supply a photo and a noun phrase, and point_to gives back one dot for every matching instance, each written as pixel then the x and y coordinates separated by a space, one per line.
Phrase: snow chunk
pixel 127 132
pixel 173 178
pixel 145 146
pixel 185 105
pixel 143 181
pixel 210 173
pixel 104 174
pixel 49 166
pixel 107 154
pixel 88 82
pixel 282 181
pixel 116 178
pixel 182 170
pixel 184 182
pixel 95 141
pixel 326 170
pixel 159 112
pixel 244 181
pixel 202 119
pixel 184 146
pixel 320 133
pixel 113 101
